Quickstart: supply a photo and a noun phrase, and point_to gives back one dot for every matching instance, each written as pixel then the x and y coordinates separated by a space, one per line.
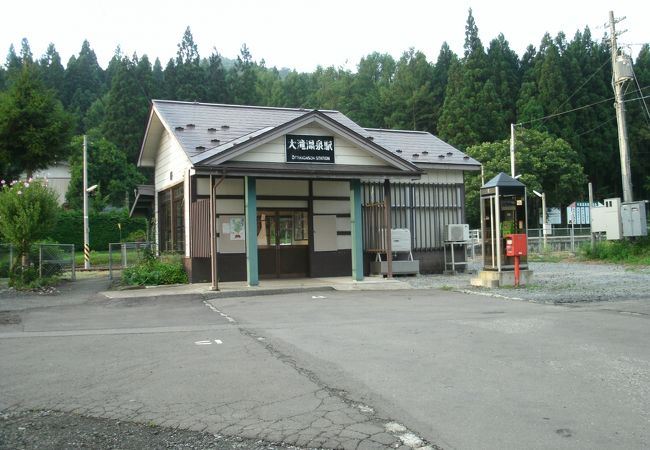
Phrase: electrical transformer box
pixel 633 217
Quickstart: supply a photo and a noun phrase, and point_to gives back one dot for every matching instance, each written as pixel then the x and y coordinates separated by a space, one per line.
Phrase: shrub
pixel 635 251
pixel 155 272
pixel 103 228
pixel 28 210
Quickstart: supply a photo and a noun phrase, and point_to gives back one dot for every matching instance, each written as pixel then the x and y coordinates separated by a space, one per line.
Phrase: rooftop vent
pixel 465 157
pixel 212 130
pixel 190 125
pixel 425 152
pixel 399 150
pixel 449 153
pixel 225 127
pixel 215 141
pixel 441 156
pixel 371 138
pixel 200 148
pixel 415 155
pixel 179 128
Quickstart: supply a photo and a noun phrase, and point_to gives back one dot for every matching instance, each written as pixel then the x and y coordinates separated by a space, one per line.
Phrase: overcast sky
pixel 303 34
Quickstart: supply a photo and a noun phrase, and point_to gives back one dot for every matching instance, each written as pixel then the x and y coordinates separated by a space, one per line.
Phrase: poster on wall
pixel 237 229
pixel 309 149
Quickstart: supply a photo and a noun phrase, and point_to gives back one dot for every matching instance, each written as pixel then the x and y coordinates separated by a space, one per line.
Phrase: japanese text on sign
pixel 312 149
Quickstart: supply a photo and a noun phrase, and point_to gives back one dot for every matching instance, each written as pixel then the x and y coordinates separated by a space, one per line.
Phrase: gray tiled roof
pixel 204 130
pixel 228 123
pixel 420 147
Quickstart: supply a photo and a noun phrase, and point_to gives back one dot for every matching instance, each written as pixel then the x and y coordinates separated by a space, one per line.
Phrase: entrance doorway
pixel 282 243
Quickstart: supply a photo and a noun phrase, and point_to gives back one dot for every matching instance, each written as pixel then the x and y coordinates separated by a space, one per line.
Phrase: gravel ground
pixel 557 283
pixel 52 430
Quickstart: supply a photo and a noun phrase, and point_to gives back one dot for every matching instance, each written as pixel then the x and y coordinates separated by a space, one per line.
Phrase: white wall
pixel 345 152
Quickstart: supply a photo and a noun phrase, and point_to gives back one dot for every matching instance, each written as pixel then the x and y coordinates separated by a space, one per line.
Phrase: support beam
pixel 356 223
pixel 389 228
pixel 250 191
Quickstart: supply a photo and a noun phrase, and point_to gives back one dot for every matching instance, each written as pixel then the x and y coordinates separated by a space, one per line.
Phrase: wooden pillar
pixel 389 226
pixel 250 195
pixel 357 234
pixel 213 238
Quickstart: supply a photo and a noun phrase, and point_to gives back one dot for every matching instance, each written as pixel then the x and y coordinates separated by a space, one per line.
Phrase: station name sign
pixel 309 149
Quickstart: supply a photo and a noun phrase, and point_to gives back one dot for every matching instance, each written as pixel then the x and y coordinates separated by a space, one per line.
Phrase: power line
pixel 582 107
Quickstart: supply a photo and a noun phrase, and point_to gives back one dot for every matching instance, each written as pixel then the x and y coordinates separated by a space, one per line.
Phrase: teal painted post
pixel 357 234
pixel 250 196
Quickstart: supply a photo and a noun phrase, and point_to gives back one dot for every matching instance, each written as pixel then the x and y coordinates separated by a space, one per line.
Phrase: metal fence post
pixel 74 273
pixel 110 261
pixel 123 255
pixel 40 260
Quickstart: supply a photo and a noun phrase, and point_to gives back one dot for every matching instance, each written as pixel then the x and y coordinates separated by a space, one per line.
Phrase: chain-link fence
pixel 49 259
pixel 560 240
pixel 125 254
pixel 56 260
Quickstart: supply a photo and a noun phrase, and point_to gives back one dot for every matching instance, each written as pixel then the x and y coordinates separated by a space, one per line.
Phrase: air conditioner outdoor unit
pixel 457 232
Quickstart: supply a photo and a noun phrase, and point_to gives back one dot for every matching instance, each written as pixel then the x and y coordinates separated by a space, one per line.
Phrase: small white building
pixel 294 192
pixel 57 176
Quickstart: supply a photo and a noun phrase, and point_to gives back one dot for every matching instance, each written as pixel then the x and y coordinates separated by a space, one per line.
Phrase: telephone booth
pixel 503 213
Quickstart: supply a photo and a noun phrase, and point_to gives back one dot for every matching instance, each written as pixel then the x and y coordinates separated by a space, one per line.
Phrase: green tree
pixel 243 78
pixel 34 128
pixel 503 72
pixel 332 87
pixel 52 71
pixel 269 87
pixel 638 121
pixel 547 164
pixel 410 97
pixel 107 167
pixel 439 82
pixel 127 107
pixel 83 83
pixel 188 78
pixel 217 88
pixel 468 113
pixel 158 76
pixel 374 75
pixel 28 210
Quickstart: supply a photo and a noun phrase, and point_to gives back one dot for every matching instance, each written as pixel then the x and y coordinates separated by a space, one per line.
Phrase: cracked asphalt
pixel 175 363
pixel 413 369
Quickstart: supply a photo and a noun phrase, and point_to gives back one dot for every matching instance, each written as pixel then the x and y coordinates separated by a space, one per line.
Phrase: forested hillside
pixel 466 99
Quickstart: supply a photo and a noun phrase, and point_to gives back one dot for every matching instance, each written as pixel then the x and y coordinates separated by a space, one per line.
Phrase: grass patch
pixel 168 269
pixel 635 252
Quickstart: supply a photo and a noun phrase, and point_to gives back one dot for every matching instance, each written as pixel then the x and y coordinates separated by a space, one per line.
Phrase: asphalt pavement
pixel 338 369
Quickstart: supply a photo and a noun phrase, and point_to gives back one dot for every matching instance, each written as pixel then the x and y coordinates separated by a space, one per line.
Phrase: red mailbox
pixel 516 245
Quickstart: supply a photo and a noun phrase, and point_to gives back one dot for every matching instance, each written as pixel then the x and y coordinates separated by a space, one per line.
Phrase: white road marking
pixel 203 342
pixel 218 341
pixel 318 296
pixel 213 309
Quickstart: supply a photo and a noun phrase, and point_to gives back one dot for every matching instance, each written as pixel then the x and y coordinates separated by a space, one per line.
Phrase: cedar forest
pixel 559 95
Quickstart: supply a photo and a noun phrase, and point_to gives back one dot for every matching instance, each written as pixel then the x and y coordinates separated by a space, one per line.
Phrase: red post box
pixel 516 245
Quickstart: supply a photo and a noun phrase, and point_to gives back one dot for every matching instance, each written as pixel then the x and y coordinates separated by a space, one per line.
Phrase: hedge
pixel 103 228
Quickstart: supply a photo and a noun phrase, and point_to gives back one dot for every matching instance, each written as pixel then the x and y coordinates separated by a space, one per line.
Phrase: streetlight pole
pixel 85 193
pixel 543 197
pixel 512 150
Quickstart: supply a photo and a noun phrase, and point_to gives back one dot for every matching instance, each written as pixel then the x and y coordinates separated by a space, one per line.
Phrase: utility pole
pixel 617 81
pixel 512 150
pixel 86 226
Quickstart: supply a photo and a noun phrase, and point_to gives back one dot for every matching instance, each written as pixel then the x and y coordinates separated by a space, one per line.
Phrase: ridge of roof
pixel 387 130
pixel 228 105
